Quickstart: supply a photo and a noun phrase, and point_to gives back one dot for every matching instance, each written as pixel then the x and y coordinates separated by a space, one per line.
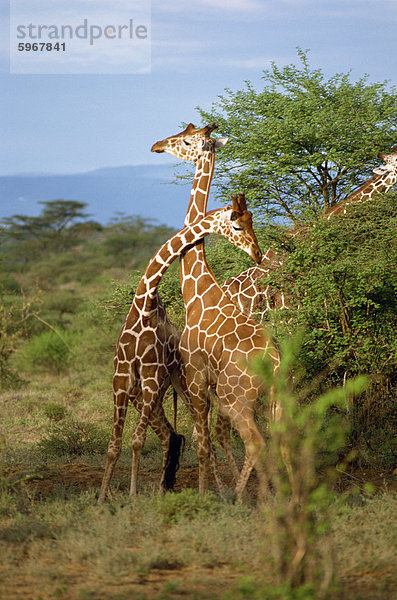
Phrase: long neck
pixel 193 263
pixel 376 185
pixel 197 206
pixel 164 257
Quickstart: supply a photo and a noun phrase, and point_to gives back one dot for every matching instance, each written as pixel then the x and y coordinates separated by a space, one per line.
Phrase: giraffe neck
pixel 378 184
pixel 197 206
pixel 193 263
pixel 148 286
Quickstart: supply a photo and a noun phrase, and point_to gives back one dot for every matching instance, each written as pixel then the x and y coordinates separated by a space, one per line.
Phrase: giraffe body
pixel 147 356
pixel 218 339
pixel 216 345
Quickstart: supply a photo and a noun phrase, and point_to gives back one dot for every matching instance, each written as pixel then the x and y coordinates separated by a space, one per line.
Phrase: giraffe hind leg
pixel 114 448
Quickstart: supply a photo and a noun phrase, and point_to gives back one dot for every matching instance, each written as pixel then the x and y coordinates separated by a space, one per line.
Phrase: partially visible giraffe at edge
pixel 243 289
pixel 144 364
pixel 218 338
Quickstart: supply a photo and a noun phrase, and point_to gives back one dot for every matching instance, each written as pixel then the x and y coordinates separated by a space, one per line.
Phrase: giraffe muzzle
pixel 157 147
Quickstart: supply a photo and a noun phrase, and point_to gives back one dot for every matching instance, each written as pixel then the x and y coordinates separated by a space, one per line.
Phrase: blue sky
pixel 75 123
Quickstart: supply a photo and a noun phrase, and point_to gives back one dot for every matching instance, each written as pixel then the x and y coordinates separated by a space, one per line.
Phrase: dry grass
pixel 56 542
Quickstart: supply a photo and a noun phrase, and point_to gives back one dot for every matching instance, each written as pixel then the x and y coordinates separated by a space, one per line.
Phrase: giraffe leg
pixel 203 450
pixel 254 444
pixel 138 440
pixel 179 383
pixel 222 433
pixel 199 410
pixel 149 405
pixel 160 425
pixel 114 448
pixel 238 404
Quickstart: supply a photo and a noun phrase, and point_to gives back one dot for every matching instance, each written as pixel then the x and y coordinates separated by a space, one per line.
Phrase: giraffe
pixel 243 288
pixel 143 363
pixel 196 145
pixel 218 339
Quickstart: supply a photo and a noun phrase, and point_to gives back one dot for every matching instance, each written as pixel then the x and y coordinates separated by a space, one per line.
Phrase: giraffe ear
pixel 221 142
pixel 383 169
pixel 227 215
pixel 189 128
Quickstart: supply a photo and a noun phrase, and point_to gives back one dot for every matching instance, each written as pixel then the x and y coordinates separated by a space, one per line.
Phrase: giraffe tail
pixel 175 396
pixel 175 449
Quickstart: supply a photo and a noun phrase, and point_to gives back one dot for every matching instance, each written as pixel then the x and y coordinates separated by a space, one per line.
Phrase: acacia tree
pixel 53 230
pixel 303 143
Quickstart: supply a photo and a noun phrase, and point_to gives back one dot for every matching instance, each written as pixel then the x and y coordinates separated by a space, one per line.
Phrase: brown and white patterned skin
pixel 218 339
pixel 197 146
pixel 244 290
pixel 145 359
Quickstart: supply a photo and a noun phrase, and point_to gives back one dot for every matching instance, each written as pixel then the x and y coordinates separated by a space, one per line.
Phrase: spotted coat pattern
pixel 147 356
pixel 218 339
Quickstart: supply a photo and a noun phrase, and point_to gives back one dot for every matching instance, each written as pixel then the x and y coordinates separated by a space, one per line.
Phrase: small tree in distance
pixel 53 230
pixel 303 143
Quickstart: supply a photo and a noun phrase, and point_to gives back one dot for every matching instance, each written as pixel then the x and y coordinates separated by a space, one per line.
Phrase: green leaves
pixel 341 280
pixel 302 142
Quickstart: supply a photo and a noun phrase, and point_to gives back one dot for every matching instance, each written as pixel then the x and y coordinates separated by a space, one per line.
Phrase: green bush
pixel 304 448
pixel 55 412
pixel 50 350
pixel 74 438
pixel 341 281
pixel 10 331
pixel 188 504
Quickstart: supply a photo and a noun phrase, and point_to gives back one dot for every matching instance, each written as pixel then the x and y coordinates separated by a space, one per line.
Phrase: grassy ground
pixel 56 542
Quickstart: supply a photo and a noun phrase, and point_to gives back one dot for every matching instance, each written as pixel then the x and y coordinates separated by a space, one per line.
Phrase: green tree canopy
pixel 304 142
pixel 54 229
pixel 131 238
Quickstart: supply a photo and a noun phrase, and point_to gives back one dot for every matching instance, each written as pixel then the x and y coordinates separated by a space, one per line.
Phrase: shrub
pixel 50 350
pixel 341 280
pixel 188 504
pixel 74 438
pixel 304 448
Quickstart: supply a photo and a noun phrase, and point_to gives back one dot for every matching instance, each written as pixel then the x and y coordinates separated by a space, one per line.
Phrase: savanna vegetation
pixel 323 522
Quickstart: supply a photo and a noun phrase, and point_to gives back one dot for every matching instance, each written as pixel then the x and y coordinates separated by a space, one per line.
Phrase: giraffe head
pixel 390 163
pixel 235 224
pixel 190 143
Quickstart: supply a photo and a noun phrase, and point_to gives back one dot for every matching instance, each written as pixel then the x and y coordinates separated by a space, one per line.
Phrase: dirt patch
pixel 166 581
pixel 84 476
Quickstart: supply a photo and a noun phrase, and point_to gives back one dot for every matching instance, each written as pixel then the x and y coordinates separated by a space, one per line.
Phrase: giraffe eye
pixel 186 143
pixel 237 228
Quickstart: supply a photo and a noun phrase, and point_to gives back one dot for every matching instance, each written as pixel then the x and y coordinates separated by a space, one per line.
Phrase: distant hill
pixel 133 190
